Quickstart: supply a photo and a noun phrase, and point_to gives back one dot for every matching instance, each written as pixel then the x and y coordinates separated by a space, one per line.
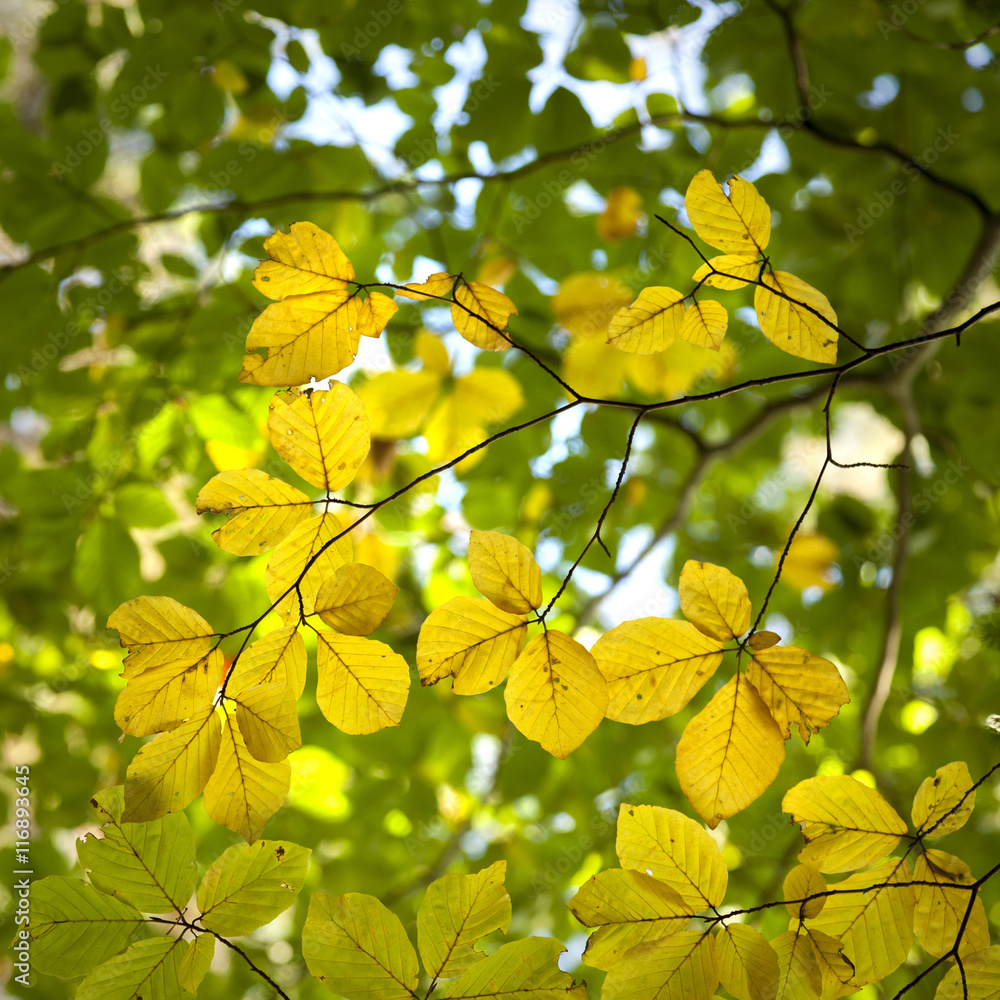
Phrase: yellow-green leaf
pixel 248 885
pixel 356 599
pixel 472 640
pixel 480 314
pixel 268 720
pixel 650 324
pixel 159 630
pixel 714 600
pixel 556 694
pixel 505 571
pixel 802 882
pixel 654 667
pixel 846 824
pixel 945 801
pixel 978 979
pixel 626 908
pixel 674 849
pixel 305 337
pixel 487 396
pixel 737 223
pixel 357 948
pixel 323 434
pixel 262 510
pixel 398 402
pixel 586 302
pixel 797 687
pixel 729 752
pixel 799 976
pixel 455 913
pixel 763 640
pixel 363 685
pixel 148 968
pixel 243 792
pixel 519 970
pixel 705 324
pixel 836 971
pixel 277 658
pixel 788 324
pixel 437 286
pixel 162 697
pixel 728 271
pixel 682 966
pixel 196 962
pixel 287 565
pixel 168 772
pixel 303 260
pixel 748 965
pixel 941 909
pixel 875 927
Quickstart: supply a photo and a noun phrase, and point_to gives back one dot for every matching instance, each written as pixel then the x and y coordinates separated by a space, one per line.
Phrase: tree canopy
pixel 637 359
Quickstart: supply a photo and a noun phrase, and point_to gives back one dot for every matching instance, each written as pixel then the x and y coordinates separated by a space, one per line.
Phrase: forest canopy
pixel 500 499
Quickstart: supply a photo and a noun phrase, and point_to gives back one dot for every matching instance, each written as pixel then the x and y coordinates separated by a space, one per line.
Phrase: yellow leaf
pixel 480 314
pixel 449 435
pixel 682 966
pixel 875 927
pixel 323 434
pixel 496 271
pixel 432 353
pixel 714 600
pixel 268 720
pixel 487 396
pixel 363 685
pixel 355 599
pixel 748 965
pixel 455 913
pixel 846 824
pixel 287 565
pixel 654 667
pixel 437 286
pixel 374 313
pixel 168 772
pixel 556 694
pixel 674 849
pixel 159 630
pixel 729 752
pixel 705 324
pixel 278 658
pixel 979 978
pixel 518 970
pixel 303 260
pixel 358 948
pixel 763 640
pixel 262 510
pixel 737 223
pixel 940 910
pixel 226 75
pixel 621 216
pixel 586 303
pixel 789 325
pixel 800 883
pixel 797 687
pixel 836 972
pixel 649 324
pixel 809 561
pixel 799 976
pixel 398 402
pixel 472 640
pixel 593 368
pixel 945 801
pixel 637 69
pixel 627 908
pixel 675 371
pixel 372 550
pixel 165 695
pixel 305 336
pixel 505 571
pixel 243 792
pixel 728 271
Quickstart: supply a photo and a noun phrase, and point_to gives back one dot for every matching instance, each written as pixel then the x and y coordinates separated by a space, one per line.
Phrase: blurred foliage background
pixel 147 147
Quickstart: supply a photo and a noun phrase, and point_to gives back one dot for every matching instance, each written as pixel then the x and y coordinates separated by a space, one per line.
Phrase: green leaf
pixel 520 970
pixel 149 968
